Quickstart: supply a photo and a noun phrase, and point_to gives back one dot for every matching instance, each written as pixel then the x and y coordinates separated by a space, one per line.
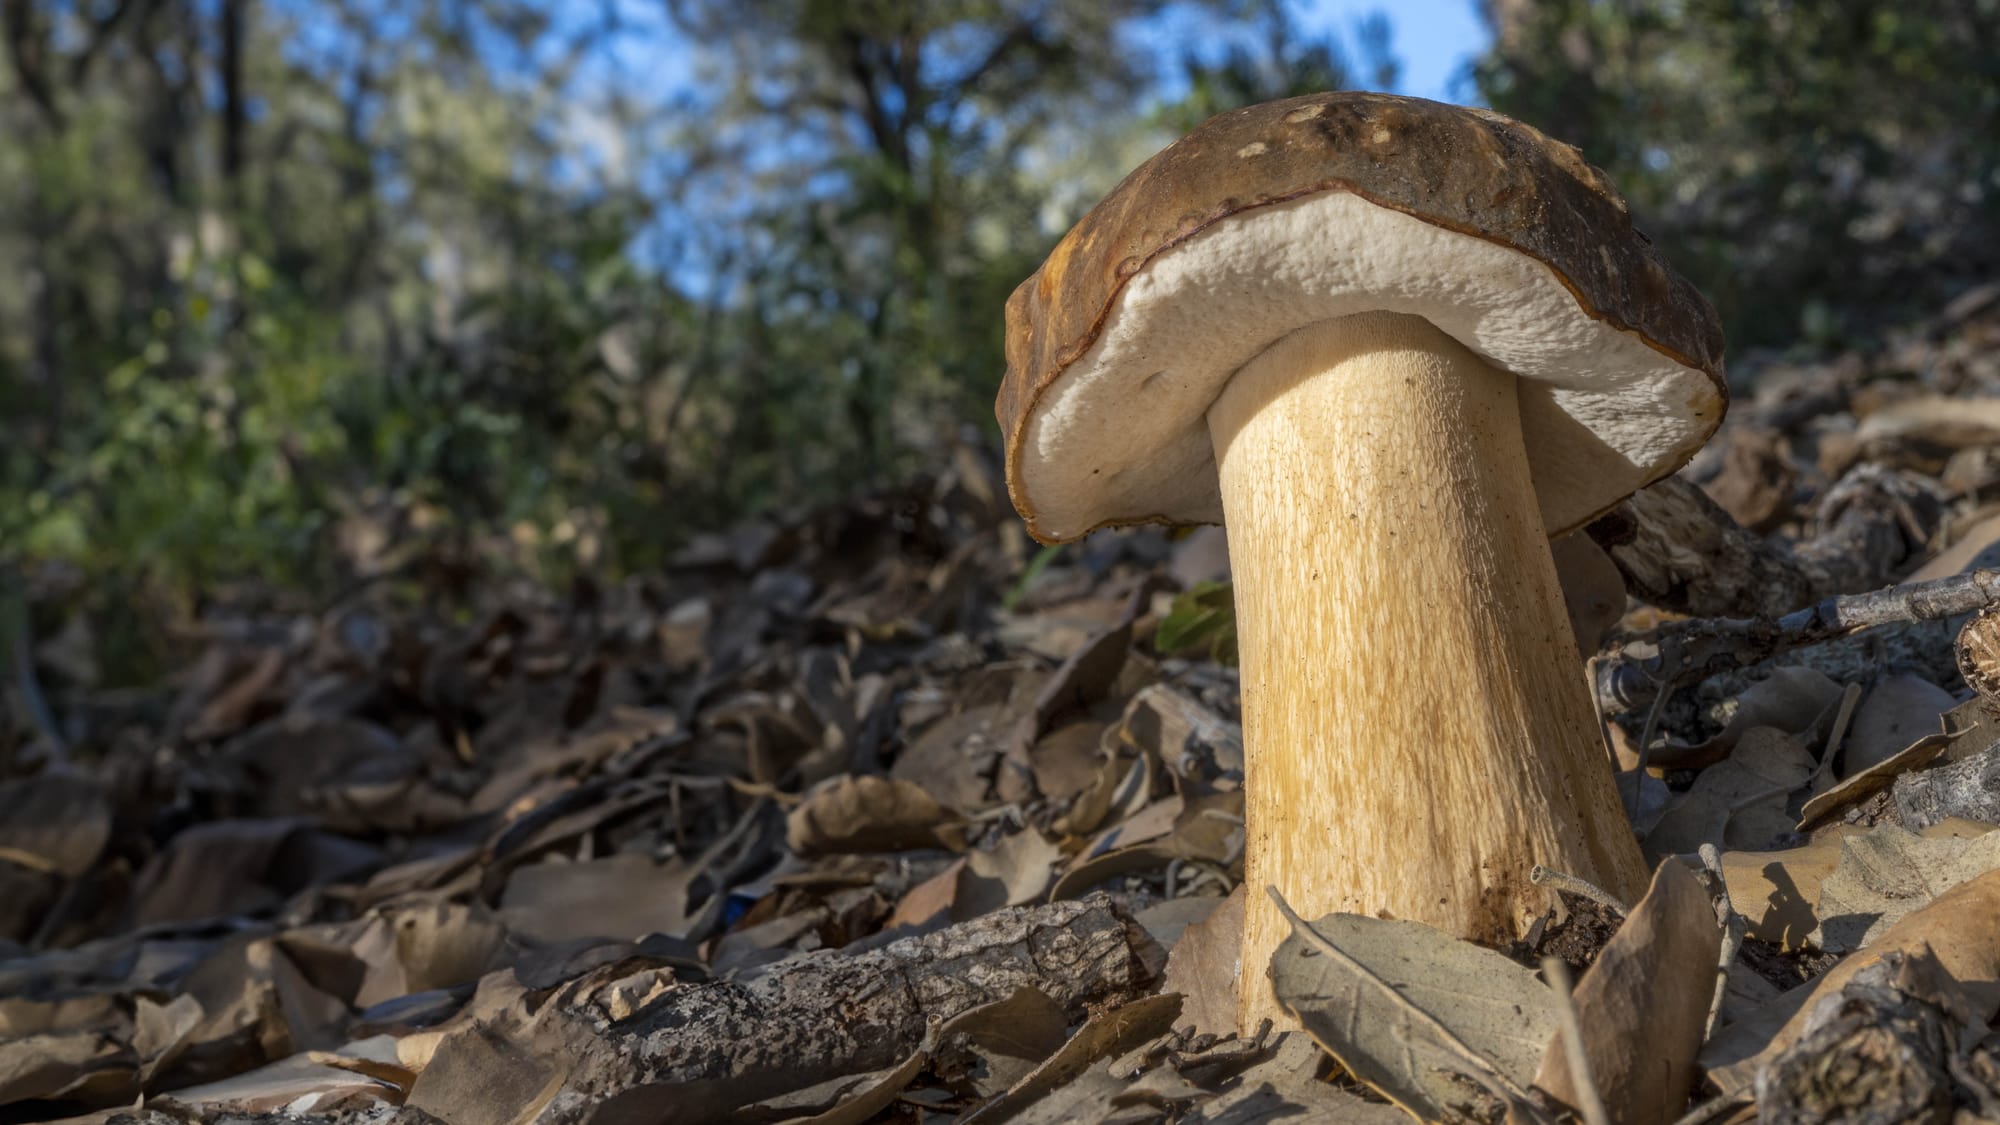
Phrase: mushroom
pixel 1394 346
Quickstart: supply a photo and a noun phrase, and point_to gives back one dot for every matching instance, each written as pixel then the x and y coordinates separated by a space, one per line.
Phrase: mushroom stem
pixel 1417 729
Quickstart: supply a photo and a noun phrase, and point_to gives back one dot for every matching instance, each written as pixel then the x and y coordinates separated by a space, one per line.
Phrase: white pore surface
pixel 1122 435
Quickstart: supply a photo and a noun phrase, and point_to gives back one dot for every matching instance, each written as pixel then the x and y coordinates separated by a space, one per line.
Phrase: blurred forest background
pixel 287 286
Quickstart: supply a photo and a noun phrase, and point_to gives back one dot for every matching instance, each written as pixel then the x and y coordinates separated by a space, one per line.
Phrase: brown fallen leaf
pixel 300 1084
pixel 993 1048
pixel 1103 1036
pixel 1885 873
pixel 1777 892
pixel 1593 590
pixel 1857 787
pixel 1169 919
pixel 870 814
pixel 228 867
pixel 1739 802
pixel 1183 733
pixel 1897 711
pixel 954 757
pixel 1757 479
pixel 620 897
pixel 1004 1040
pixel 1065 759
pixel 929 900
pixel 1643 1004
pixel 1014 872
pixel 502 1071
pixel 1412 1011
pixel 1204 965
pixel 397 950
pixel 1287 1088
pixel 1974 547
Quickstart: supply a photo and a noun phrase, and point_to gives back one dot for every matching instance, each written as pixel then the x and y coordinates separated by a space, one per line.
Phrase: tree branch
pixel 27 47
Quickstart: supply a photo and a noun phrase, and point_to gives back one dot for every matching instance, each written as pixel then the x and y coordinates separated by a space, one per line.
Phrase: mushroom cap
pixel 1267 219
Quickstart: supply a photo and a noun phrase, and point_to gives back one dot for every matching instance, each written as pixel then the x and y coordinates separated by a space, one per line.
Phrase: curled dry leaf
pixel 871 814
pixel 1897 711
pixel 1736 803
pixel 954 757
pixel 1968 730
pixel 1429 1021
pixel 994 1047
pixel 1643 1005
pixel 300 1084
pixel 848 1100
pixel 1014 872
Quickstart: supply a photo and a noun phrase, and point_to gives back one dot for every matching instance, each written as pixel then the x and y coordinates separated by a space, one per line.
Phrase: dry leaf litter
pixel 873 813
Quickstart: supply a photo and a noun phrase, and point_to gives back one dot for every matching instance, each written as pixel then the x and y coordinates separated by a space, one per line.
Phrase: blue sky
pixel 1434 41
pixel 1434 38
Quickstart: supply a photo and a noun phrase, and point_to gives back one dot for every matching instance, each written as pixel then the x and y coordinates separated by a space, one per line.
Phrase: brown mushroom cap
pixel 1266 219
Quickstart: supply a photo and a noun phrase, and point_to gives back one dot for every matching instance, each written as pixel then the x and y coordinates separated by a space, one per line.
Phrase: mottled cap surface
pixel 1266 219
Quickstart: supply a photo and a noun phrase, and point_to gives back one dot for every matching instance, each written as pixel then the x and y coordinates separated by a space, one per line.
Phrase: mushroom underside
pixel 1119 435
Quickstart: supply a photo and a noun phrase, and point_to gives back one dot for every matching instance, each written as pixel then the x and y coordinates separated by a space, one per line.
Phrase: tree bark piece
pixel 1681 551
pixel 695 1052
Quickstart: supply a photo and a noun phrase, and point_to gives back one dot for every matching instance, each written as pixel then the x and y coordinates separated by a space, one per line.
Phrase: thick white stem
pixel 1417 728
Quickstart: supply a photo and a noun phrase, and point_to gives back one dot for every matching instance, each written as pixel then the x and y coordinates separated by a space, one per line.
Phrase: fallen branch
pixel 1680 551
pixel 694 1052
pixel 1684 651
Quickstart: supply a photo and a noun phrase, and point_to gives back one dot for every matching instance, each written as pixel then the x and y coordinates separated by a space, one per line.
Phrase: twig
pixel 1662 691
pixel 1709 1110
pixel 1444 1035
pixel 1848 699
pixel 1563 881
pixel 1585 1087
pixel 1915 601
pixel 1733 929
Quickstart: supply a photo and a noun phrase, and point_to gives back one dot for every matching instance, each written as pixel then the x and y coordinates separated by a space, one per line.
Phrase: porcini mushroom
pixel 1394 346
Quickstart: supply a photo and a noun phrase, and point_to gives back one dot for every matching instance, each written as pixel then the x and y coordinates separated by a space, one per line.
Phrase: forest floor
pixel 876 813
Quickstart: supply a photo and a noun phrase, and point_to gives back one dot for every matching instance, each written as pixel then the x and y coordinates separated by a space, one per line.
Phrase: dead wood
pixel 1681 551
pixel 699 1051
pixel 1683 652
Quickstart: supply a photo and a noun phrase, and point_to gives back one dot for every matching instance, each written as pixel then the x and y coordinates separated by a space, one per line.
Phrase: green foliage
pixel 453 271
pixel 1816 168
pixel 1204 616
